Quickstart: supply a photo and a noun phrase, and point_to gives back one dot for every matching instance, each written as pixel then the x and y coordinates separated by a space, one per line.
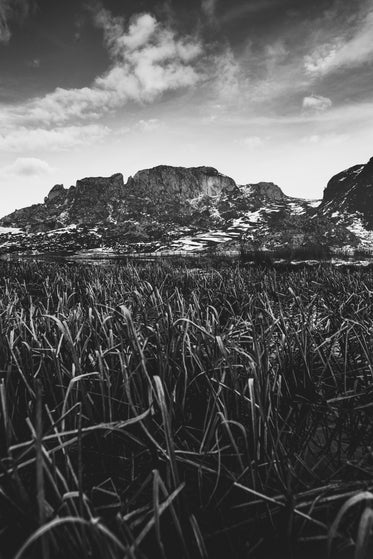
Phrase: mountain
pixel 192 209
pixel 348 200
pixel 163 193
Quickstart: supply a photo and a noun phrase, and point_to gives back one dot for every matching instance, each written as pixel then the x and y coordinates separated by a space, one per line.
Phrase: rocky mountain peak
pixel 350 192
pixel 189 182
pixel 165 192
pixel 366 174
pixel 56 192
pixel 267 190
pixel 340 184
pixel 99 183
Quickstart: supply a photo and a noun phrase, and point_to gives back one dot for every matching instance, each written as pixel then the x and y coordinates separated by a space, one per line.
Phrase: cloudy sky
pixel 273 90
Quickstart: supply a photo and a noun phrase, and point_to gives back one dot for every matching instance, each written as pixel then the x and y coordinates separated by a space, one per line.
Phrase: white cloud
pixel 11 10
pixel 148 60
pixel 210 119
pixel 4 28
pixel 253 142
pixel 325 140
pixel 25 139
pixel 316 104
pixel 350 50
pixel 140 31
pixel 353 115
pixel 27 167
pixel 229 81
pixel 276 53
pixel 149 125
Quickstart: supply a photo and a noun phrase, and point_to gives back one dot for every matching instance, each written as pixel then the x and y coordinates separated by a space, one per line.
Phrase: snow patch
pixel 297 208
pixel 314 203
pixel 62 230
pixel 365 236
pixel 254 217
pixel 10 230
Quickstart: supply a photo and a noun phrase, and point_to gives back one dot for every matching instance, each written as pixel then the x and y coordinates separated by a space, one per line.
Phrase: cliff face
pixel 166 192
pixel 339 185
pixel 164 181
pixel 163 193
pixel 93 200
pixel 351 192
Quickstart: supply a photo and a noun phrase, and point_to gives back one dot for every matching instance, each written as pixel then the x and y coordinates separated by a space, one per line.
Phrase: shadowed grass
pixel 161 411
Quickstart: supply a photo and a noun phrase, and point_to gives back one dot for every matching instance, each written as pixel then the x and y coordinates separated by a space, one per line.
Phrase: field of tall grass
pixel 159 411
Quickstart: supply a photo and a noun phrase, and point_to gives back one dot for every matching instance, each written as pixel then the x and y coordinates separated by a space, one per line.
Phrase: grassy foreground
pixel 156 411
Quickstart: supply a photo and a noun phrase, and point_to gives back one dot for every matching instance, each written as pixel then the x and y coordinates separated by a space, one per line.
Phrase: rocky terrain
pixel 192 210
pixel 348 200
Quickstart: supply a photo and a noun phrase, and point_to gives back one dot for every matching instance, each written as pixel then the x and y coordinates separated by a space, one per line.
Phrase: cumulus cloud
pixel 28 167
pixel 149 59
pixel 25 139
pixel 316 104
pixel 352 49
pixel 12 10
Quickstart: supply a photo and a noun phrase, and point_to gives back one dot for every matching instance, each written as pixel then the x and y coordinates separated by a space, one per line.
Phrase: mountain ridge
pixel 193 209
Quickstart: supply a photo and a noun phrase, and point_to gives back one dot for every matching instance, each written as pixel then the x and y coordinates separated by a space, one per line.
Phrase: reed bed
pixel 160 411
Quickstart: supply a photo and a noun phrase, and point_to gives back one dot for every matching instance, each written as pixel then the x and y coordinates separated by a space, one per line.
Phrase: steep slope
pixel 348 200
pixel 166 192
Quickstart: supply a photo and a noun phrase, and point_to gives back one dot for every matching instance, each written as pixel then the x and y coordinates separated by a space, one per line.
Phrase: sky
pixel 263 90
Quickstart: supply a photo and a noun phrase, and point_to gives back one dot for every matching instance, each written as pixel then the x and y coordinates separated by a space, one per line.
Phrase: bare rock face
pixel 340 184
pixel 57 192
pixel 33 218
pixel 91 201
pixel 164 181
pixel 165 192
pixel 267 191
pixel 351 192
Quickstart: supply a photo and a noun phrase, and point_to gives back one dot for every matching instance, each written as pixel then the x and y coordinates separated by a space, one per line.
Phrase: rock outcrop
pixel 95 200
pixel 163 193
pixel 57 192
pixel 351 192
pixel 267 191
pixel 165 181
pixel 88 203
pixel 32 218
